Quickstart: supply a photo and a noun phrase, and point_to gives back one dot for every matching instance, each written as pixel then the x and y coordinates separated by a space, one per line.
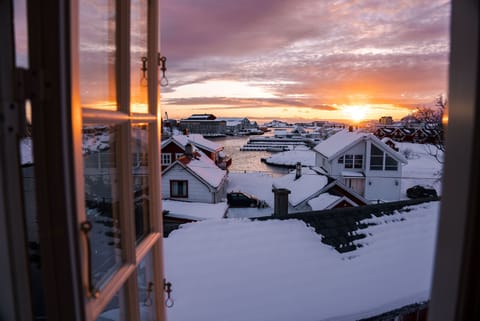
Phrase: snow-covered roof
pixel 352 174
pixel 327 201
pixel 234 121
pixel 305 157
pixel 339 142
pixel 202 166
pixel 323 201
pixel 195 211
pixel 391 270
pixel 343 140
pixel 195 139
pixel 309 183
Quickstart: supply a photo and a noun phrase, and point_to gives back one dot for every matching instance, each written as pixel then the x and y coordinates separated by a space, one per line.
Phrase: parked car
pixel 241 199
pixel 419 191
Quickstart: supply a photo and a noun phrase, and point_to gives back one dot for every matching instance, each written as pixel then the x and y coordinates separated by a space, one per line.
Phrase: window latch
pixel 167 287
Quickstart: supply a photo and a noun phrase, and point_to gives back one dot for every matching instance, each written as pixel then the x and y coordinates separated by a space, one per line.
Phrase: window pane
pixel 138 56
pixel 97 54
pixel 390 164
pixel 146 294
pixel 358 162
pixel 140 180
pixel 115 310
pixel 348 161
pixel 102 199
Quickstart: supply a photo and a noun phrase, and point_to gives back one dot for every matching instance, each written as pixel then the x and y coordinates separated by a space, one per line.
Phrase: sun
pixel 355 112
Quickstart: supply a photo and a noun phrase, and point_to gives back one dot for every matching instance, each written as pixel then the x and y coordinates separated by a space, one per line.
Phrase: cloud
pixel 320 48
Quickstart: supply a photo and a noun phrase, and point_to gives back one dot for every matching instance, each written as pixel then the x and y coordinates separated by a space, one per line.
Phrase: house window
pixel 390 164
pixel 353 161
pixel 348 161
pixel 381 161
pixel 178 188
pixel 358 161
pixel 166 159
pixel 376 159
pixel 340 160
pixel 178 155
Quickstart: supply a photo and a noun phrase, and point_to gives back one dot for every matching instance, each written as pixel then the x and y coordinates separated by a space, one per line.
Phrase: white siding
pixel 336 169
pixel 382 188
pixel 197 191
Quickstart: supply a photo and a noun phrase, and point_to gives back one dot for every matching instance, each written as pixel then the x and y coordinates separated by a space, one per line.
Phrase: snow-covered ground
pixel 422 167
pixel 239 270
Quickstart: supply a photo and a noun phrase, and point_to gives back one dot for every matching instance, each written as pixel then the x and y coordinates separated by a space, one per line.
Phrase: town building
pixel 311 189
pixel 194 177
pixel 362 162
pixel 174 148
pixel 205 124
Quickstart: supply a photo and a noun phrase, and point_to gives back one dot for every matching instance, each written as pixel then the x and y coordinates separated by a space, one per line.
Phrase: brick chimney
pixel 281 201
pixel 298 170
pixel 189 150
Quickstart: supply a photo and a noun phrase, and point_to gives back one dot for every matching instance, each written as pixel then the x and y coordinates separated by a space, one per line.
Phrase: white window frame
pixel 166 159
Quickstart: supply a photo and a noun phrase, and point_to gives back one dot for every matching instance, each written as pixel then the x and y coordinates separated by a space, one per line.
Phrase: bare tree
pixel 432 118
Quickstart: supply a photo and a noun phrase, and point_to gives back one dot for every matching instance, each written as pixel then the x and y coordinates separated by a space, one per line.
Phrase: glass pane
pixel 138 56
pixel 101 197
pixel 140 168
pixel 97 54
pixel 115 310
pixel 145 288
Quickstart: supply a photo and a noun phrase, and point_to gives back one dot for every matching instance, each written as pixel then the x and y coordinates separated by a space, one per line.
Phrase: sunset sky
pixel 303 59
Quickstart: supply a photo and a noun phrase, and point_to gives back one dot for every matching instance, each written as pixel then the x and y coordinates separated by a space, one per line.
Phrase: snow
pixel 237 270
pixel 352 174
pixel 204 167
pixel 195 211
pixel 26 151
pixel 257 184
pixel 302 188
pixel 323 201
pixel 195 139
pixel 422 167
pixel 290 158
pixel 339 141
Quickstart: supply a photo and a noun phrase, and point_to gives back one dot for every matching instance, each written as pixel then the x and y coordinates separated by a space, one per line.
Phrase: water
pixel 247 161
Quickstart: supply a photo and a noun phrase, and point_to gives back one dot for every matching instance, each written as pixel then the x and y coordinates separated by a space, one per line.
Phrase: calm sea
pixel 247 161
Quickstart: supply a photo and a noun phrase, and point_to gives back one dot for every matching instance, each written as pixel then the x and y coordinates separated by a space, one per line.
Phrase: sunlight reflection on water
pixel 247 161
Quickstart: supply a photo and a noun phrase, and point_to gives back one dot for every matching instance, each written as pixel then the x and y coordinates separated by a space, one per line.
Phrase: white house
pixel 311 189
pixel 195 178
pixel 362 162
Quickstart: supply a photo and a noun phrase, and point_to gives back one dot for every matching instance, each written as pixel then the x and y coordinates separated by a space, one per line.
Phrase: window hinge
pixel 28 85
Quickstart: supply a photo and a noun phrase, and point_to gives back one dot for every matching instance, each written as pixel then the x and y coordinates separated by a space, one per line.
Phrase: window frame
pixel 455 290
pixel 177 181
pixel 165 157
pixel 133 253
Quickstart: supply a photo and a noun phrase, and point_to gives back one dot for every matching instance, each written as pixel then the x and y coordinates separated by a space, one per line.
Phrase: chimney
pixel 298 170
pixel 189 150
pixel 185 131
pixel 281 201
pixel 350 128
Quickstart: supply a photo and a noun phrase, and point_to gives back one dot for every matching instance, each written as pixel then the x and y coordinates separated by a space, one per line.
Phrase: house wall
pixel 197 190
pixel 321 161
pixel 336 168
pixel 382 185
pixel 171 149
